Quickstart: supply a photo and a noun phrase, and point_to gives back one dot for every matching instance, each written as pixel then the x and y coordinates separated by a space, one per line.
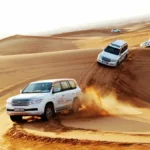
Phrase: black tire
pixel 48 112
pixel 118 64
pixel 126 56
pixel 16 118
pixel 76 105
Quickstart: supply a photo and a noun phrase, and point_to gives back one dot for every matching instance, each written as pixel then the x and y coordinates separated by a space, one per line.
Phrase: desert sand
pixel 116 105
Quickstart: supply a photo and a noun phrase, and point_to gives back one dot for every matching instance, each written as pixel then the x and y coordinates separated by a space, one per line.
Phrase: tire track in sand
pixel 87 75
pixel 102 73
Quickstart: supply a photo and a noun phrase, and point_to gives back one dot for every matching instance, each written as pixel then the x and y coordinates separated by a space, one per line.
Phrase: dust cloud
pixel 93 100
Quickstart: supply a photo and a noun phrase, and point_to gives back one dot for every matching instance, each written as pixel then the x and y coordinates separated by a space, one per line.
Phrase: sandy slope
pixel 19 44
pixel 121 117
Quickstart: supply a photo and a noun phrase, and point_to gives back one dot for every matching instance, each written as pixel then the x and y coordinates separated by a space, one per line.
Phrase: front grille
pixel 106 59
pixel 20 102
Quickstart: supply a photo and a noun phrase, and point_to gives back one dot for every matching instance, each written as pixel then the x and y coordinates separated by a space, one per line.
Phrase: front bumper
pixel 32 110
pixel 107 63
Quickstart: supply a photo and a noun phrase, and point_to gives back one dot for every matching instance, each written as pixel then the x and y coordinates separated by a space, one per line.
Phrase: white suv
pixel 145 44
pixel 44 98
pixel 115 30
pixel 114 53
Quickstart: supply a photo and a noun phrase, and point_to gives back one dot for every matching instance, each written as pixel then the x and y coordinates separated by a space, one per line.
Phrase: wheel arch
pixel 76 98
pixel 50 103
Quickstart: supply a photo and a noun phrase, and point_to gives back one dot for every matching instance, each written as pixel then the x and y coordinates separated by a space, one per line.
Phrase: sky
pixel 37 16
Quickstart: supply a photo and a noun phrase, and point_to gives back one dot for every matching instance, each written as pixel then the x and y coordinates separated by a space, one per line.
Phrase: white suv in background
pixel 44 98
pixel 114 53
pixel 145 44
pixel 115 30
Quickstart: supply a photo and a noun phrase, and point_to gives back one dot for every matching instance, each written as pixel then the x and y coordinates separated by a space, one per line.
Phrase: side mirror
pixel 56 90
pixel 20 91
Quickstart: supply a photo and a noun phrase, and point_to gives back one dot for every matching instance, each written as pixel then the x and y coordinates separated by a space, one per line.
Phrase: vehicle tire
pixel 76 105
pixel 48 112
pixel 118 64
pixel 126 56
pixel 16 118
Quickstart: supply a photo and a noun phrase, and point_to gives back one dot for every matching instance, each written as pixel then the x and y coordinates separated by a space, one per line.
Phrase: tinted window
pixel 124 48
pixel 112 50
pixel 57 86
pixel 72 84
pixel 38 88
pixel 65 85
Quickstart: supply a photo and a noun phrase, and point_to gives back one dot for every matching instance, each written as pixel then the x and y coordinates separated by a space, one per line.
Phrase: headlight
pixel 99 56
pixel 9 102
pixel 35 101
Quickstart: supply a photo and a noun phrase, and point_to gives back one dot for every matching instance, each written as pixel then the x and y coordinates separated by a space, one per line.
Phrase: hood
pixel 109 55
pixel 28 96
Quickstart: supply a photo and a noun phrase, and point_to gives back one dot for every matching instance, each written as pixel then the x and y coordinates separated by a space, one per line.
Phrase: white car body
pixel 145 44
pixel 115 30
pixel 112 59
pixel 33 104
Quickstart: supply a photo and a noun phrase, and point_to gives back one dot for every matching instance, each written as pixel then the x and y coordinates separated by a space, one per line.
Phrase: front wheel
pixel 48 113
pixel 16 118
pixel 118 63
pixel 126 56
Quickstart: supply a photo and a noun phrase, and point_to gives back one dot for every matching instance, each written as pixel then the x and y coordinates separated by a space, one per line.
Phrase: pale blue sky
pixel 31 16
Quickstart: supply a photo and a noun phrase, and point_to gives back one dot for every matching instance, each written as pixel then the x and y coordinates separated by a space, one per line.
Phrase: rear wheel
pixel 16 118
pixel 76 105
pixel 48 113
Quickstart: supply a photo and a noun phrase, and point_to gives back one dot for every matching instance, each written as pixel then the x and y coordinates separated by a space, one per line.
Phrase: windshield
pixel 112 50
pixel 38 88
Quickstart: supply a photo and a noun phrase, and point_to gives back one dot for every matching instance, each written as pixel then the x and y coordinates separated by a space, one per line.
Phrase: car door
pixel 58 96
pixel 67 95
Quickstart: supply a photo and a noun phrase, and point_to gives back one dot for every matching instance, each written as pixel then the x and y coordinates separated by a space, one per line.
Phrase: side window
pixel 65 85
pixel 72 84
pixel 124 49
pixel 57 87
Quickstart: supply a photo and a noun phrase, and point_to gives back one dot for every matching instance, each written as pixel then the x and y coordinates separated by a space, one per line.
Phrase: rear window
pixel 112 50
pixel 65 85
pixel 72 84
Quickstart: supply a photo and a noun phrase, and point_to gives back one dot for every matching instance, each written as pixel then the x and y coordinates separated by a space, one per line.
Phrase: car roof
pixel 118 43
pixel 52 80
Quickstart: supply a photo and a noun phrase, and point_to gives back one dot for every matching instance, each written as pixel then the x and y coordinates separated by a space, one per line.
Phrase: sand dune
pixel 123 117
pixel 19 44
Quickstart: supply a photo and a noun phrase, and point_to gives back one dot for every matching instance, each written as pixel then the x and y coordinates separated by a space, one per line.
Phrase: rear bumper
pixel 113 64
